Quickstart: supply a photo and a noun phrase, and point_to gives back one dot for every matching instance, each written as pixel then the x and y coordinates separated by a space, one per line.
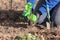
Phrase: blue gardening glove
pixel 40 17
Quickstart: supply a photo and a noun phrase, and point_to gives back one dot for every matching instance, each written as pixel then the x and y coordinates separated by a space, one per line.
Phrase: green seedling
pixel 33 38
pixel 27 12
pixel 28 36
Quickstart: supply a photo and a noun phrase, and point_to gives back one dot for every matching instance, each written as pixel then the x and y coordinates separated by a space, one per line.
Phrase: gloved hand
pixel 40 18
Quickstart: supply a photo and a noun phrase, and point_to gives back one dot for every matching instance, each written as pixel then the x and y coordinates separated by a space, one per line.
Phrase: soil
pixel 11 26
pixel 9 30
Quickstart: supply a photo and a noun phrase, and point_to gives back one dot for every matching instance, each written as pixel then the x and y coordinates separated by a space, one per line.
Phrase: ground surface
pixel 9 29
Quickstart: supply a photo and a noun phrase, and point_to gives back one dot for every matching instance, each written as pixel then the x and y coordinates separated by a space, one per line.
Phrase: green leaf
pixel 32 17
pixel 28 36
pixel 27 9
pixel 28 6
